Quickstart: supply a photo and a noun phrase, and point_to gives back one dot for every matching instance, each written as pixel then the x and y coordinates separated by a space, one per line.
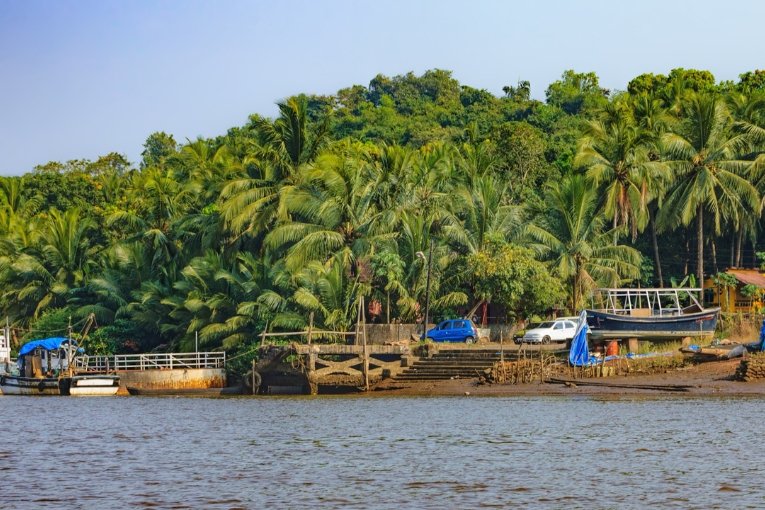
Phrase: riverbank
pixel 704 379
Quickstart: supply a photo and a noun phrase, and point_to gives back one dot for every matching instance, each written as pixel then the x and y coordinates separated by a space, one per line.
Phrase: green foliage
pixel 512 277
pixel 53 322
pixel 121 337
pixel 367 191
pixel 577 93
pixel 158 147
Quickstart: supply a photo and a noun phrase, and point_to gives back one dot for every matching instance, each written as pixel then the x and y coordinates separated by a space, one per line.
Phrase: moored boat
pixel 652 314
pixel 47 367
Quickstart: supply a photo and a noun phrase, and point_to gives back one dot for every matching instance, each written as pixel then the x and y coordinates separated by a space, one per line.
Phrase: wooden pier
pixel 330 365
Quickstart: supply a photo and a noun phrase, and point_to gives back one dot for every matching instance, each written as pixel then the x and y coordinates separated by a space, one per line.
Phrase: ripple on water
pixel 382 453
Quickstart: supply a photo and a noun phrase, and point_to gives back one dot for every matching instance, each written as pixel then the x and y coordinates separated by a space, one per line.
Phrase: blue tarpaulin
pixel 579 355
pixel 48 344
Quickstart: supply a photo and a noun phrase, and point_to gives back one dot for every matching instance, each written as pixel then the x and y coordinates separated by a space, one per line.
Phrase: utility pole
pixel 427 287
pixel 429 262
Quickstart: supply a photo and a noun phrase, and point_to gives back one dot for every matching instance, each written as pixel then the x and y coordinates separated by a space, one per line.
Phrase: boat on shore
pixel 657 314
pixel 47 367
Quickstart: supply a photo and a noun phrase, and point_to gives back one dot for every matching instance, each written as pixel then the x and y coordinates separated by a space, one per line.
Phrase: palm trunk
pixel 732 251
pixel 700 246
pixel 739 240
pixel 576 288
pixel 655 242
pixel 714 256
pixel 387 310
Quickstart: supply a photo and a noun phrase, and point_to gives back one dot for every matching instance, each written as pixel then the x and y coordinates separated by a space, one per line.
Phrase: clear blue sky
pixel 79 79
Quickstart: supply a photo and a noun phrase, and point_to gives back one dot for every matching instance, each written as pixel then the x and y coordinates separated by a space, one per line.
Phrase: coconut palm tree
pixel 574 238
pixel 333 215
pixel 710 177
pixel 617 155
pixel 482 213
pixel 254 203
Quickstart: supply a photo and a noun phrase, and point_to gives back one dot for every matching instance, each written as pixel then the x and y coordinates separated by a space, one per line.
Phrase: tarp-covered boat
pixel 47 367
pixel 651 314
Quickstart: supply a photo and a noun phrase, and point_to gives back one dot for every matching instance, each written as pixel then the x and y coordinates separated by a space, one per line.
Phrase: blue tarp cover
pixel 49 344
pixel 579 355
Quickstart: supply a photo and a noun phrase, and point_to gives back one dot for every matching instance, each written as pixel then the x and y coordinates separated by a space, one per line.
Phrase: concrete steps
pixel 450 364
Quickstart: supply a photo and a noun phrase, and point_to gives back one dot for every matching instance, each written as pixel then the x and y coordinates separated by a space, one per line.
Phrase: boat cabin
pixel 5 349
pixel 650 302
pixel 46 358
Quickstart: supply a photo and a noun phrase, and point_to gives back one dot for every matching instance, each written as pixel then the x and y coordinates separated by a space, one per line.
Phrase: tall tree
pixel 573 236
pixel 710 177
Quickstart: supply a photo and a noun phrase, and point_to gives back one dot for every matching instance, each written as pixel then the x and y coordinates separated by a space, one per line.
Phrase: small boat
pixel 185 392
pixel 47 367
pixel 651 314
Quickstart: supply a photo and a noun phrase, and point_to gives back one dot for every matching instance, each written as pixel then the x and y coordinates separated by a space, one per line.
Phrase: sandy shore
pixel 705 379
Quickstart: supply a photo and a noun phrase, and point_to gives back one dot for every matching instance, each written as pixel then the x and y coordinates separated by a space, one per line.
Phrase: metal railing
pixel 156 361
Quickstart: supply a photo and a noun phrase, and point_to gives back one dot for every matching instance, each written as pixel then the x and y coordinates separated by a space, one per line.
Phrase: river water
pixel 380 452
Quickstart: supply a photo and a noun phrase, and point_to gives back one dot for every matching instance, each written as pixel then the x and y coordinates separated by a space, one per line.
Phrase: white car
pixel 559 330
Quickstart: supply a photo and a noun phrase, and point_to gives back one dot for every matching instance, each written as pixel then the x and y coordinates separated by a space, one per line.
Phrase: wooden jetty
pixel 307 366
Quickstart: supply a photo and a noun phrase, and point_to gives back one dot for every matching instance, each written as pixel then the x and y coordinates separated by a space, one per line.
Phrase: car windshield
pixel 546 325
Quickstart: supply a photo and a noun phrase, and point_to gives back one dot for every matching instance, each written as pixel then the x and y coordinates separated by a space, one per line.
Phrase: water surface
pixel 358 452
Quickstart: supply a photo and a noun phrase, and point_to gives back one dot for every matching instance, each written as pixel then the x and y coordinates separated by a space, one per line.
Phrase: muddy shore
pixel 705 379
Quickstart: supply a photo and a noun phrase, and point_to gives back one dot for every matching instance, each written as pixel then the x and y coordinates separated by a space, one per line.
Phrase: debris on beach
pixel 751 368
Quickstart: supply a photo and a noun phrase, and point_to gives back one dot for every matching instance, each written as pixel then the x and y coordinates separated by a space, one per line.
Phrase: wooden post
pixel 501 348
pixel 310 327
pixel 366 350
pixel 358 320
pixel 263 335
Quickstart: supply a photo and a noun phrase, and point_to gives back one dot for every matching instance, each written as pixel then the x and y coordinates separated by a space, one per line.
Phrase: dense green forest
pixel 524 204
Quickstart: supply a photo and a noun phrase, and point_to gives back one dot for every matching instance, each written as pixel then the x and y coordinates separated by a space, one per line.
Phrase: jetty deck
pixel 306 367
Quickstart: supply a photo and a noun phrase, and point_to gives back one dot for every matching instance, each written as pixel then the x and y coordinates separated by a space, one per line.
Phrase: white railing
pixel 156 361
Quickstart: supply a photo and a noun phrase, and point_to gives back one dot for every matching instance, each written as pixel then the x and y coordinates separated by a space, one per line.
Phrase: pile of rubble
pixel 751 368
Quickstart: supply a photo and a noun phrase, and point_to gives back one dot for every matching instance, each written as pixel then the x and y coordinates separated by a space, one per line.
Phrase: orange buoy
pixel 613 348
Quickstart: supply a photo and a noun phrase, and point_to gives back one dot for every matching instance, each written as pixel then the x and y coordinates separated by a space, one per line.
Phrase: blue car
pixel 453 330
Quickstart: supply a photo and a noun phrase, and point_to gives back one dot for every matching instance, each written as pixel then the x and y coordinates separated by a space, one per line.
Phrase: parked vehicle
pixel 518 335
pixel 558 330
pixel 453 330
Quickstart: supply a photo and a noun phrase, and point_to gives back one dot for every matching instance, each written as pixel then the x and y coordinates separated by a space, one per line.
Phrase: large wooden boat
pixel 47 367
pixel 651 314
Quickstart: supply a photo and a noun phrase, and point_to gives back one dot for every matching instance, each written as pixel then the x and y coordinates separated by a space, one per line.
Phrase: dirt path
pixel 705 379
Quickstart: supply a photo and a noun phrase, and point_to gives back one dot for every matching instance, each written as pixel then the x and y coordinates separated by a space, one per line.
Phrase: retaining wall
pixel 379 334
pixel 174 379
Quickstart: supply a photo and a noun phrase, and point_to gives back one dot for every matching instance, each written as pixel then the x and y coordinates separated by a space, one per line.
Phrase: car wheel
pixel 469 340
pixel 545 339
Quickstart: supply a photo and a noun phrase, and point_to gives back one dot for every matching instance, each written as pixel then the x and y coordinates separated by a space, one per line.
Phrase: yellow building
pixel 741 291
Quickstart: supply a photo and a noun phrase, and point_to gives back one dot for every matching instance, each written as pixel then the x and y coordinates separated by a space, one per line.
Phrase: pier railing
pixel 155 361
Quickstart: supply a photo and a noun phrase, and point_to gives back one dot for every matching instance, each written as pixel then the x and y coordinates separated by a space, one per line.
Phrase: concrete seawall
pixel 182 378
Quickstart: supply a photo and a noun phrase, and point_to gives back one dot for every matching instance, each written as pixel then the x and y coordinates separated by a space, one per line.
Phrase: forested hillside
pixel 522 203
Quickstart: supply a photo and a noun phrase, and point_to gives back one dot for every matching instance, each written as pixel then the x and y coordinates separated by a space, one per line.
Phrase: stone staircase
pixel 452 364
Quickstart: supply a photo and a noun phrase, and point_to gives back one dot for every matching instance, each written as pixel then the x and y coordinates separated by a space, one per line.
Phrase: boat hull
pixel 94 385
pixel 81 385
pixel 185 392
pixel 13 385
pixel 604 325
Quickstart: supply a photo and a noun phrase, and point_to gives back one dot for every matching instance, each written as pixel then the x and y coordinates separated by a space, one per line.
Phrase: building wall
pixel 731 299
